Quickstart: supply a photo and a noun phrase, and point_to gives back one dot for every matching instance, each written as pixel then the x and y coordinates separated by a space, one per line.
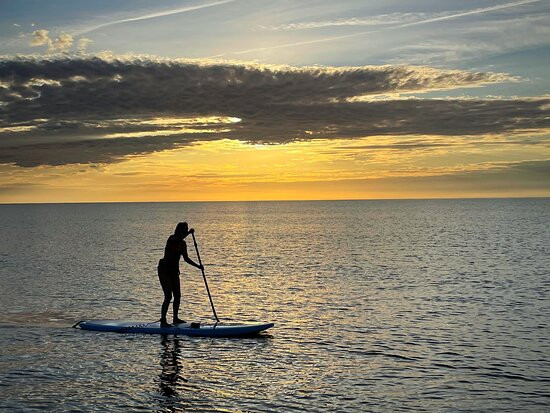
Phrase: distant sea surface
pixel 428 305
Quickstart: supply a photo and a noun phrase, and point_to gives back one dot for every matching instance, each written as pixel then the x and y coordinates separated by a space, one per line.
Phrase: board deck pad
pixel 206 330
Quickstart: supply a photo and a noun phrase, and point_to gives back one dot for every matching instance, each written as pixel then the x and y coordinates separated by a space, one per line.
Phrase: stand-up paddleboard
pixel 187 329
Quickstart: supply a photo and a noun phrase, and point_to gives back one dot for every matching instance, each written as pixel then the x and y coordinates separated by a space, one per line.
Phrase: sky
pixel 214 100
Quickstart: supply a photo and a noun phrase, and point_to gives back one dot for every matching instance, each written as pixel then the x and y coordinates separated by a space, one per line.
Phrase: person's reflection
pixel 170 363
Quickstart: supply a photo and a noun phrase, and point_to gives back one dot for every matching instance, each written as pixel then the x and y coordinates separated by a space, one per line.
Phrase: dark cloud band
pixel 60 110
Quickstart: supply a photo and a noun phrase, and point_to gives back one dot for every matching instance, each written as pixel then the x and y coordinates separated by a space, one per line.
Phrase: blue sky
pixel 510 36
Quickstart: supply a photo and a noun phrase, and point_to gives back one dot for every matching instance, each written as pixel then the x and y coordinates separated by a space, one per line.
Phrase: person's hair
pixel 182 228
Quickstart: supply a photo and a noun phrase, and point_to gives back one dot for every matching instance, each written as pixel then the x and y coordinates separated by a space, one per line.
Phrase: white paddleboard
pixel 187 329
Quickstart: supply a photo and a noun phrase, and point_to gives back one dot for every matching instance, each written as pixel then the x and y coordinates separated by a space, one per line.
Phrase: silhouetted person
pixel 169 271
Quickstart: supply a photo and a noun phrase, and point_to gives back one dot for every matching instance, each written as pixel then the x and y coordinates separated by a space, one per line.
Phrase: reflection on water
pixel 195 372
pixel 171 372
pixel 170 363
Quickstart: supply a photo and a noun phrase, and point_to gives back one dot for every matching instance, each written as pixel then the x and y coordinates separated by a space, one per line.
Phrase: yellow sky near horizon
pixel 358 168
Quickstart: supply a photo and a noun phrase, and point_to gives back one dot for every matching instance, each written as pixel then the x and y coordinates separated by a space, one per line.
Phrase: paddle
pixel 204 277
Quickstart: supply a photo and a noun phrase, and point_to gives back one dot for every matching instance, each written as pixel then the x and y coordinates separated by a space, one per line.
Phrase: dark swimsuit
pixel 168 268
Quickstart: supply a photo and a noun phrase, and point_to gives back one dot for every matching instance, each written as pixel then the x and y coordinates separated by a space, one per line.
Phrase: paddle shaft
pixel 204 277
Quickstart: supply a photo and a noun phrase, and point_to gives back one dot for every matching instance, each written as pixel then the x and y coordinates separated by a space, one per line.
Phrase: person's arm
pixel 186 257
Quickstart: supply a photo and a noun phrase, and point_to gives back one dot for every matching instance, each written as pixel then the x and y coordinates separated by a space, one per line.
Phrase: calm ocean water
pixel 435 305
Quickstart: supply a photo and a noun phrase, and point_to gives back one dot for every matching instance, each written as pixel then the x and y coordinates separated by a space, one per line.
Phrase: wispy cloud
pixel 378 20
pixel 470 13
pixel 80 110
pixel 497 36
pixel 432 19
pixel 155 15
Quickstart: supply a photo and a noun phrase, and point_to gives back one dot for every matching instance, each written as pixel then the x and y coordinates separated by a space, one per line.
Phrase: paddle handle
pixel 204 278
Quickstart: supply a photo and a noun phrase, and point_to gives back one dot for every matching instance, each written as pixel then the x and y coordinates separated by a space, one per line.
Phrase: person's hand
pixel 191 231
pixel 201 267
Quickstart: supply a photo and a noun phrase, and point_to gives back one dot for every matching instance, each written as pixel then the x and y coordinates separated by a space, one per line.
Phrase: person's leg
pixel 167 290
pixel 164 308
pixel 177 298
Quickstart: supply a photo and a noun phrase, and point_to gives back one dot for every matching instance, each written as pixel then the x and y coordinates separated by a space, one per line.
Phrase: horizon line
pixel 279 200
